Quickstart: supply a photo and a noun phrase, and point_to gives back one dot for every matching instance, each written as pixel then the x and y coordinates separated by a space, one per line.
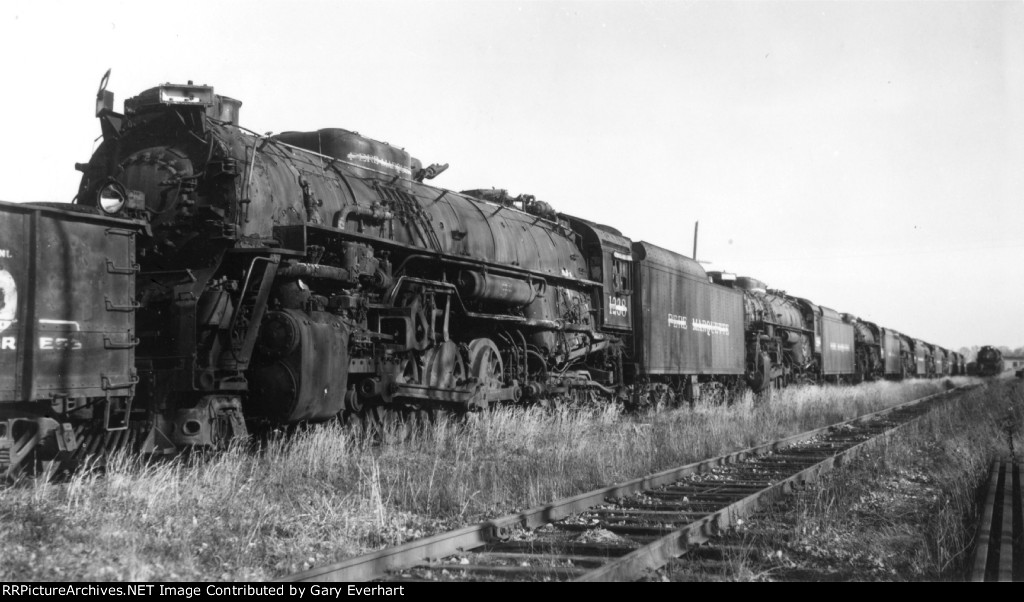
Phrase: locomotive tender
pixel 276 279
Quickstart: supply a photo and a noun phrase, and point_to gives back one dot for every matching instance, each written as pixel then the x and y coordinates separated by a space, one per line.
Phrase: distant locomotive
pixel 272 280
pixel 790 339
pixel 990 361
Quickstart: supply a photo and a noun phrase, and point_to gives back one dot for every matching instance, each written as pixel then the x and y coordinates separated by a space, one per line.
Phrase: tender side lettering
pixel 707 327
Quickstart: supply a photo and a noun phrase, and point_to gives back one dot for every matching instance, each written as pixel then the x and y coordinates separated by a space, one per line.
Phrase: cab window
pixel 622 276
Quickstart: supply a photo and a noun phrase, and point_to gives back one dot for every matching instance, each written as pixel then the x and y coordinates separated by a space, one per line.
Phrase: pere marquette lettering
pixel 195 591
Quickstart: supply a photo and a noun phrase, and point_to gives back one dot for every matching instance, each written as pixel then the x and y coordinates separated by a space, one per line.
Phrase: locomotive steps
pixel 327 494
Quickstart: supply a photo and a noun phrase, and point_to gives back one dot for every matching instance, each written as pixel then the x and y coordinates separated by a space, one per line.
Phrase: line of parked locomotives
pixel 208 281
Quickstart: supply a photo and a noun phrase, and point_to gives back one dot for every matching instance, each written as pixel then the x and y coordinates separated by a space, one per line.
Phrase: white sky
pixel 865 155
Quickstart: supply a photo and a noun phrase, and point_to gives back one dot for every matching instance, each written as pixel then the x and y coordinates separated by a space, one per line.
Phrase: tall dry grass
pixel 330 491
pixel 907 511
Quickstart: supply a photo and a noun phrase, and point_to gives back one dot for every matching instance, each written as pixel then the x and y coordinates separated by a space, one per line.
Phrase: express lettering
pixel 59 343
pixel 45 344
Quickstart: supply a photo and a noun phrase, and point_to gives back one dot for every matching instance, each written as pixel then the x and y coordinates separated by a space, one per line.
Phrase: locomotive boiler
pixel 869 348
pixel 990 361
pixel 225 281
pixel 790 339
pixel 292 277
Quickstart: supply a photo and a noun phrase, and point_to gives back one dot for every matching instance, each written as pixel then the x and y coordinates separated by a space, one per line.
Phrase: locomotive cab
pixel 290 278
pixel 610 262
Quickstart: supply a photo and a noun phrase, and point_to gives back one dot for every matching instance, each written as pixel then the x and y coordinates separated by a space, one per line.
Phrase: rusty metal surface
pixel 689 325
pixel 836 344
pixel 408 267
pixel 66 321
pixel 365 156
pixel 751 284
pixel 609 257
pixel 865 332
pixel 922 357
pixel 868 350
pixel 291 186
pixel 957 364
pixel 296 372
pixel 512 292
pixel 666 260
pixel 891 352
pixel 990 361
pixel 780 310
pixel 941 360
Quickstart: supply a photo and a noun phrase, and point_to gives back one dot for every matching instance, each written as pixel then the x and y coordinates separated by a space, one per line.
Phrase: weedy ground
pixel 907 511
pixel 331 492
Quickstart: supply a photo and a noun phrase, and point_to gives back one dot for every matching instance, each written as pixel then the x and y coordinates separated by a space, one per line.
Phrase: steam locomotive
pixel 210 280
pixel 990 361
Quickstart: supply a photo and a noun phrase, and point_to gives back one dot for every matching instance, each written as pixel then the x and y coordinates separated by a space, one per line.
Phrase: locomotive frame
pixel 282 279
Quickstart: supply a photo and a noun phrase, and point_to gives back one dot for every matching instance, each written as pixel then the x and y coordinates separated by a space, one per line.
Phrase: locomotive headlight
pixel 111 197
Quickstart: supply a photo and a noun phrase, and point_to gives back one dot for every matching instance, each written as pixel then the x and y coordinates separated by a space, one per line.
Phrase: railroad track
pixel 623 532
pixel 999 551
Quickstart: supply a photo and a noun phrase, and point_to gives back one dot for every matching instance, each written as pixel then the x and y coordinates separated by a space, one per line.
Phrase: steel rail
pixel 999 548
pixel 376 565
pixel 663 550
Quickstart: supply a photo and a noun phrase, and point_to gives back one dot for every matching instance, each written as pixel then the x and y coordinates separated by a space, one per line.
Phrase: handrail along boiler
pixel 293 277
